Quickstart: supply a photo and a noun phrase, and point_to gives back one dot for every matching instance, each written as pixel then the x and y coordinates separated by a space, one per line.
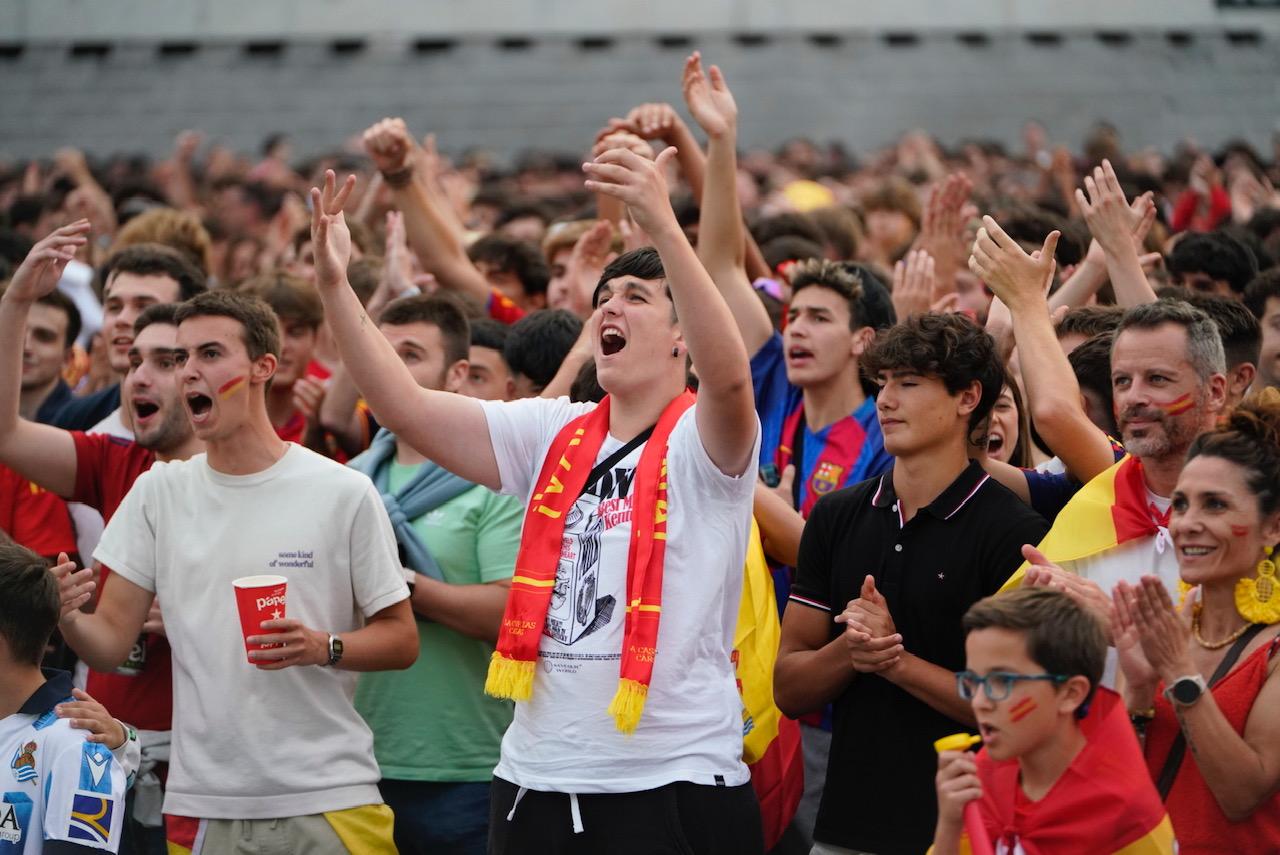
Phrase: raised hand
pixel 39 272
pixel 620 138
pixel 942 229
pixel 638 183
pixel 390 146
pixel 590 255
pixel 913 284
pixel 75 587
pixel 1019 279
pixel 1115 224
pixel 653 121
pixel 330 236
pixel 708 98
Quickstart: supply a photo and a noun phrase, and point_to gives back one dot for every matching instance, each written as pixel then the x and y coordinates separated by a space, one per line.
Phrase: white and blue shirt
pixel 58 792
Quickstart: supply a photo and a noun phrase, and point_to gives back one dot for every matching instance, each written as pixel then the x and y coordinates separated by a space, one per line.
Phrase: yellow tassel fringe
pixel 628 704
pixel 509 678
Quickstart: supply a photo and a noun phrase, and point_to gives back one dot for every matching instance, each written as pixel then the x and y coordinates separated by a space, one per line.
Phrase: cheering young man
pixel 638 514
pixel 290 765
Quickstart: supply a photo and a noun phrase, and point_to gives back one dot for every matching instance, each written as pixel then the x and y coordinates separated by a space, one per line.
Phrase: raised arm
pixel 1020 281
pixel 1114 224
pixel 720 231
pixel 40 453
pixel 657 121
pixel 102 639
pixel 426 222
pixel 726 410
pixel 448 428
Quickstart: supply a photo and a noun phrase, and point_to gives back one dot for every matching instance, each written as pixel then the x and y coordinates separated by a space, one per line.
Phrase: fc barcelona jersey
pixel 54 785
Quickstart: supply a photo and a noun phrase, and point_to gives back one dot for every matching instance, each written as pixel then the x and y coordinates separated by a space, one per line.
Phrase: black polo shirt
pixel 879 794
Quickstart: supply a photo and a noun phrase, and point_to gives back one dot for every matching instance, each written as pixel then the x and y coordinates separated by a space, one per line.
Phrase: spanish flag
pixel 1110 510
pixel 1103 803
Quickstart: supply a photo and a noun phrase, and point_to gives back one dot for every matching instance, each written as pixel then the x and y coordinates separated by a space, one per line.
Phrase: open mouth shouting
pixel 798 355
pixel 144 410
pixel 612 340
pixel 199 405
pixel 995 444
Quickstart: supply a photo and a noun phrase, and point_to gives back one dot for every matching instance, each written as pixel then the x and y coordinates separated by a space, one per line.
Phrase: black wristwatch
pixel 1185 691
pixel 335 650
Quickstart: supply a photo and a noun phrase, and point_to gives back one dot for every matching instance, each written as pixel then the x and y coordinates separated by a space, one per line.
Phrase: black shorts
pixel 678 819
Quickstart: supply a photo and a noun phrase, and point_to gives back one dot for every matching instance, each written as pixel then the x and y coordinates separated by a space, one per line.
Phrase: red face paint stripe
pixel 1239 530
pixel 1022 709
pixel 230 386
pixel 1178 405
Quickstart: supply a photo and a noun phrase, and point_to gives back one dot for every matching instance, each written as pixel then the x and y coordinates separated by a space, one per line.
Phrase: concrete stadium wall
pixel 512 87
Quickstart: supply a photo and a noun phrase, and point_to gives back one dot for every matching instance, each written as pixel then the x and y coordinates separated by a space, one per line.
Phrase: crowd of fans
pixel 679 500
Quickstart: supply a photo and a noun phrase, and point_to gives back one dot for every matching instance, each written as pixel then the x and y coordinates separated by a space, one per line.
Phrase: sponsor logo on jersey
pixel 15 817
pixel 95 769
pixel 24 763
pixel 91 818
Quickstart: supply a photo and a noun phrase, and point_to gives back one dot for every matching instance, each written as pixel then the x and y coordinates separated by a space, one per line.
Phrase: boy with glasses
pixel 1061 770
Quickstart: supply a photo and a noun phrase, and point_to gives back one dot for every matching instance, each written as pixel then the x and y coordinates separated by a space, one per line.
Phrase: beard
pixel 172 431
pixel 1165 434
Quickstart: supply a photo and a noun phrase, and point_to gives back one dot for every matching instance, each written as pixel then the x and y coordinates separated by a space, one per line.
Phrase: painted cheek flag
pixel 1110 510
pixel 1103 803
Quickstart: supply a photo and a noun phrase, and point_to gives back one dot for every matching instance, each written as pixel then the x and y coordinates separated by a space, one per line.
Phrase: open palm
pixel 708 97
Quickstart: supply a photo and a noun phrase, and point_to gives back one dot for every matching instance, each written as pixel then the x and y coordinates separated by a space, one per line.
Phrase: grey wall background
pixel 128 76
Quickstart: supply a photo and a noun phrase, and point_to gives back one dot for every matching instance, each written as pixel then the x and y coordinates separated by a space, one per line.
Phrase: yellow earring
pixel 1258 599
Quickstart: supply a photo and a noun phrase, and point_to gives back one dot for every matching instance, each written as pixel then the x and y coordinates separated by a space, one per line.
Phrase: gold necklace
pixel 1213 645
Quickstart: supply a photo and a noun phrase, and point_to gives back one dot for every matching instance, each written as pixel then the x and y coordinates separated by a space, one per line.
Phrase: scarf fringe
pixel 628 704
pixel 509 678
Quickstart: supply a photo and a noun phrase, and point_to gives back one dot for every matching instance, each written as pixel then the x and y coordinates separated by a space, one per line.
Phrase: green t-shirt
pixel 434 722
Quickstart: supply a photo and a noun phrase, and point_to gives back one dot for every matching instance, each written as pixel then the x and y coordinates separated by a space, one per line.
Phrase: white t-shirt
pixel 247 743
pixel 563 739
pixel 1129 562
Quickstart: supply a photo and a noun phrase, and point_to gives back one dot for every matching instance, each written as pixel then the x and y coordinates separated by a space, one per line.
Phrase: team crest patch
pixel 15 817
pixel 95 769
pixel 826 478
pixel 91 818
pixel 24 763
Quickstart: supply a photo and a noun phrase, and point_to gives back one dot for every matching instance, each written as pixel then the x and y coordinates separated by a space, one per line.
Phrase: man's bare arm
pixel 473 610
pixel 449 429
pixel 810 669
pixel 426 223
pixel 104 638
pixel 43 454
pixel 720 231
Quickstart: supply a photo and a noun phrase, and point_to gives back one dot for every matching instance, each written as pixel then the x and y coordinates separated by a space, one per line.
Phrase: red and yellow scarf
pixel 564 473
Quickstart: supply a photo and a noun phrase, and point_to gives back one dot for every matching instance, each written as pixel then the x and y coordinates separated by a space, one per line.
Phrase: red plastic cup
pixel 258 598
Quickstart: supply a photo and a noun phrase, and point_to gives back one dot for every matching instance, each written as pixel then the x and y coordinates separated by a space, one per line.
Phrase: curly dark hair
pixel 948 346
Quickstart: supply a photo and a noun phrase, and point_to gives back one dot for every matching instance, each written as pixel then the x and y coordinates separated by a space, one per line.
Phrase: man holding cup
pixel 260 760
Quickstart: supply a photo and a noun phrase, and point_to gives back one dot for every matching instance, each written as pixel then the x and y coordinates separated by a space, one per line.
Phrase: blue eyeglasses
pixel 998 684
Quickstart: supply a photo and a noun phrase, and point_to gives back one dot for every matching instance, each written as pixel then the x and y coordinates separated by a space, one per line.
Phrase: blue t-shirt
pixel 777 398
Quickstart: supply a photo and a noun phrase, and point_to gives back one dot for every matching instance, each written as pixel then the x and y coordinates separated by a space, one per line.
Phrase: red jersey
pixel 34 517
pixel 140 691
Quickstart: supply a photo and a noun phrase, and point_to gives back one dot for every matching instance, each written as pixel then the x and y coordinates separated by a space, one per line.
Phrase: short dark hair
pixel 539 342
pixel 788 224
pixel 1204 344
pixel 1249 438
pixel 438 311
pixel 1217 255
pixel 486 332
pixel 517 257
pixel 834 276
pixel 1265 286
pixel 519 211
pixel 260 330
pixel 642 263
pixel 1062 636
pixel 786 248
pixel 1089 321
pixel 153 259
pixel 1239 330
pixel 156 313
pixel 62 302
pixel 293 299
pixel 841 229
pixel 877 302
pixel 29 603
pixel 1028 224
pixel 948 346
pixel 1091 362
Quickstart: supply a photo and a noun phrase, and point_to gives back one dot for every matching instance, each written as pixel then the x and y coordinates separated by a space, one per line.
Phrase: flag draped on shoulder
pixel 1110 510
